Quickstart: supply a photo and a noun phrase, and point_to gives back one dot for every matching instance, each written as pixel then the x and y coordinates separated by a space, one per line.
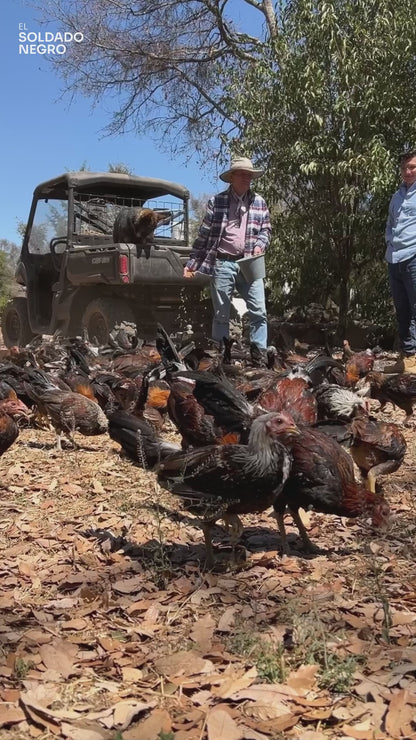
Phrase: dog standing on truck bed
pixel 136 226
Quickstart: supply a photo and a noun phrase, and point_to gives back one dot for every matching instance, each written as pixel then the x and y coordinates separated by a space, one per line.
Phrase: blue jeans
pixel 225 279
pixel 402 279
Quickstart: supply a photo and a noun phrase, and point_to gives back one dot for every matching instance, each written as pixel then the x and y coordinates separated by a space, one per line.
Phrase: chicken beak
pixel 293 431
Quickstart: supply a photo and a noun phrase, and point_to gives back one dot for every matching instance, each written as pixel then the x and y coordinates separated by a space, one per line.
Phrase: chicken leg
pixel 280 517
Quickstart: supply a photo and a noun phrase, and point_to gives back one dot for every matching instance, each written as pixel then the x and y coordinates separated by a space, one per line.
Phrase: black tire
pixel 15 324
pixel 102 316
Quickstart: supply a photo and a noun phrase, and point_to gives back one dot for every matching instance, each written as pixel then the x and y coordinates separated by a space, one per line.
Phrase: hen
pixel 376 447
pixel 196 427
pixel 70 412
pixel 399 389
pixel 322 479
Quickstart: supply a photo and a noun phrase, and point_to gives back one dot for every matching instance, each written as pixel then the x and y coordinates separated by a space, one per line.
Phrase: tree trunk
pixel 345 255
pixel 343 307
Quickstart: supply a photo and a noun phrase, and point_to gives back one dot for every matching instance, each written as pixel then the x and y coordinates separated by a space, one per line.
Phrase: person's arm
pixel 263 237
pixel 389 225
pixel 200 245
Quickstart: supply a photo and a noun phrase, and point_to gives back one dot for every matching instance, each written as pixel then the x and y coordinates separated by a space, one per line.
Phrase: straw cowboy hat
pixel 241 163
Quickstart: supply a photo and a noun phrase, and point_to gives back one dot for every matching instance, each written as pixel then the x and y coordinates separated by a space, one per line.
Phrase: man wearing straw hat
pixel 236 225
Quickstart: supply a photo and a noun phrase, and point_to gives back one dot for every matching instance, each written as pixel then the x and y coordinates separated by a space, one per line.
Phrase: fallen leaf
pixel 151 728
pixel 126 711
pixel 202 632
pixel 84 732
pixel 266 693
pixel 221 726
pixel 235 683
pixel 75 624
pixel 399 712
pixel 304 678
pixel 398 618
pixel 98 486
pixel 10 715
pixel 356 732
pixel 185 662
pixel 129 586
pixel 60 656
pixel 227 619
pixel 131 675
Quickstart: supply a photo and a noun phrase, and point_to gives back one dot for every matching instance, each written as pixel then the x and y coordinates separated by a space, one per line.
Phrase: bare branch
pixel 161 60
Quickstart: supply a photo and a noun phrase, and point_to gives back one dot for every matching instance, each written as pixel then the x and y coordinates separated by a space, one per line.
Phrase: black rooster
pixel 216 481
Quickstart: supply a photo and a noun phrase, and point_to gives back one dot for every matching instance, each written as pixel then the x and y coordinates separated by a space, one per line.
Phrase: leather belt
pixel 229 257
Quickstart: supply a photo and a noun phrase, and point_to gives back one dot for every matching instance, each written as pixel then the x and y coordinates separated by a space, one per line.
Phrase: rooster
pixel 335 402
pixel 322 479
pixel 225 481
pixel 139 440
pixel 216 481
pixel 196 427
pixel 11 411
pixel 134 362
pixel 376 447
pixel 220 399
pixel 357 364
pixel 399 389
pixel 293 395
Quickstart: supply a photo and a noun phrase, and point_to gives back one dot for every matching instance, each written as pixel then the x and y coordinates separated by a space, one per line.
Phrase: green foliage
pixel 320 114
pixel 22 668
pixel 197 212
pixel 267 658
pixel 321 92
pixel 120 167
pixel 7 267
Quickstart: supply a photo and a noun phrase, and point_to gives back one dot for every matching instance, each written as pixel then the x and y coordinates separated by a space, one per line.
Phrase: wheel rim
pixel 97 328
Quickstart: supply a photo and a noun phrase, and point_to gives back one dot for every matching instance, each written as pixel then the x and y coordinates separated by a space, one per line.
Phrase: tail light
pixel 123 268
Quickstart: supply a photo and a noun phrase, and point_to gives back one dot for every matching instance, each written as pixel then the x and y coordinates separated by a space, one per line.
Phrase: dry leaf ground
pixel 142 643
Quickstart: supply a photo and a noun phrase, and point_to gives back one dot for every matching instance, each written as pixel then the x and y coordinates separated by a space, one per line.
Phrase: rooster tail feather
pixel 321 361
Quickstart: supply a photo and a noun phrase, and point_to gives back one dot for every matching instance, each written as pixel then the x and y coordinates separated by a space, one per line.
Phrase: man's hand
pixel 187 273
pixel 257 251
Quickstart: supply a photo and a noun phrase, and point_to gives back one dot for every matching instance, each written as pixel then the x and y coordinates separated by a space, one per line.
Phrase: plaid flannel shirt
pixel 204 249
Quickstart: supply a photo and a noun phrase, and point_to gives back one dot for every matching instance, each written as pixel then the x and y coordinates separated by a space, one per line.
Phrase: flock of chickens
pixel 252 437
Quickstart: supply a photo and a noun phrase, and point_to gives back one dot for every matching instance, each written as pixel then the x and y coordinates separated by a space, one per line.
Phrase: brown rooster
pixel 11 411
pixel 357 364
pixel 194 424
pixel 322 479
pixel 220 399
pixel 292 395
pixel 376 447
pixel 399 389
pixel 69 412
pixel 140 360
